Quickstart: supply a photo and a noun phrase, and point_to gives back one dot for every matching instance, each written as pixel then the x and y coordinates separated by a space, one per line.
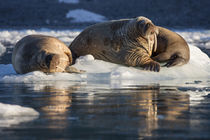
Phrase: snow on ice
pixel 81 15
pixel 15 114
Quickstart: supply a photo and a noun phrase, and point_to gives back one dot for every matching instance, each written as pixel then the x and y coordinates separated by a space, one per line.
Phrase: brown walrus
pixel 41 53
pixel 171 48
pixel 129 42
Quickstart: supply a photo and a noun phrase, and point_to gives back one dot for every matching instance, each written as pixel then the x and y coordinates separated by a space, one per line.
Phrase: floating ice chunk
pixel 207 44
pixel 2 49
pixel 69 1
pixel 15 114
pixel 38 77
pixel 81 15
pixel 197 96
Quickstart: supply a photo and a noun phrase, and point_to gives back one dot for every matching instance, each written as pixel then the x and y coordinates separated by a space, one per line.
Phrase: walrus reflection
pixel 60 99
pixel 154 104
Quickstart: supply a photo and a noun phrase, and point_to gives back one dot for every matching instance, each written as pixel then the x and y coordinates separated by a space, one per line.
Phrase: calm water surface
pixel 96 111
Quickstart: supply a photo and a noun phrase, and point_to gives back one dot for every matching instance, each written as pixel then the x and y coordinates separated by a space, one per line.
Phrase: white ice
pixel 69 1
pixel 81 15
pixel 2 49
pixel 195 37
pixel 15 114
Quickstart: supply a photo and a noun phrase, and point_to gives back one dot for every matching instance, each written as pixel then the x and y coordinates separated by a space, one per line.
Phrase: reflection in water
pixel 57 105
pixel 114 109
pixel 83 111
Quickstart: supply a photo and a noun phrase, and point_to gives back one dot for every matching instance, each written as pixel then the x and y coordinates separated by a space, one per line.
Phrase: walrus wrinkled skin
pixel 128 42
pixel 171 48
pixel 41 53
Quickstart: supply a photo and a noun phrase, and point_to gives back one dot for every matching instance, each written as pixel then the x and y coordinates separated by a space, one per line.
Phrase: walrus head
pixel 50 62
pixel 148 31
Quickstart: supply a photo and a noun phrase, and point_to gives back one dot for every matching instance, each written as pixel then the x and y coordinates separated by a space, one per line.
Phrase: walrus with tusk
pixel 128 42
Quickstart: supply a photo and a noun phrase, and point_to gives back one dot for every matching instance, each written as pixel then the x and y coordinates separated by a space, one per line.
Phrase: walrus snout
pixel 149 29
pixel 57 62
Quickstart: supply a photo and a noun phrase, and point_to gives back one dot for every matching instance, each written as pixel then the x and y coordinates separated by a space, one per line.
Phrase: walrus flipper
pixel 71 69
pixel 138 58
pixel 152 66
pixel 175 60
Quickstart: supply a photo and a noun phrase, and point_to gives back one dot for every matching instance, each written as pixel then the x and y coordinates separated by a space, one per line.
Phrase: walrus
pixel 128 42
pixel 42 53
pixel 171 48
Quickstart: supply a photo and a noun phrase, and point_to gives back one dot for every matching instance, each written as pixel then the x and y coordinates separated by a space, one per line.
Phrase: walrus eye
pixel 152 32
pixel 48 60
pixel 140 24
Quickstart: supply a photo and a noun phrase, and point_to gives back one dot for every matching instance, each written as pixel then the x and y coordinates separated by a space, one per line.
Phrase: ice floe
pixel 15 114
pixel 197 68
pixel 81 15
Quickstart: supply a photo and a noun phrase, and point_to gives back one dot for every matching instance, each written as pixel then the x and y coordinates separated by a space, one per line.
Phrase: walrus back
pixel 97 40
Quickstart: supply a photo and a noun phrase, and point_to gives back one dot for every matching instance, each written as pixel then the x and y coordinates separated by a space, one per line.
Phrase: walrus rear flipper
pixel 175 60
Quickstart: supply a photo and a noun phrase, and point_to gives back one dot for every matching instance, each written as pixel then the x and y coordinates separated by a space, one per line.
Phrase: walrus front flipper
pixel 71 69
pixel 139 58
pixel 152 66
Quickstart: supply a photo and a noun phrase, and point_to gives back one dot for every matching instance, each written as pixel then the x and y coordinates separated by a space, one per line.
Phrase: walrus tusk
pixel 155 43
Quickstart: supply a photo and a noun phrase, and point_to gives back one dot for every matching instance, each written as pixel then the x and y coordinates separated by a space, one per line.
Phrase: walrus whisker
pixel 60 68
pixel 64 59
